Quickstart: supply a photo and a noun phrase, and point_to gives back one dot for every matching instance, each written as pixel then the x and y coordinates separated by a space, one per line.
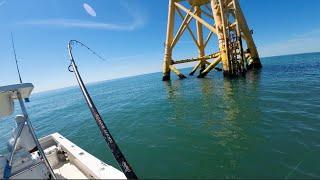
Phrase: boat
pixel 50 157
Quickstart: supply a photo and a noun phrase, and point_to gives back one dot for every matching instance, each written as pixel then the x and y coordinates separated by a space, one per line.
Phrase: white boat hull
pixel 80 164
pixel 67 160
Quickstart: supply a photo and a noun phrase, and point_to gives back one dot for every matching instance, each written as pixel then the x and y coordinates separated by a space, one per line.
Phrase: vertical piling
pixel 217 11
pixel 168 50
pixel 256 64
pixel 201 51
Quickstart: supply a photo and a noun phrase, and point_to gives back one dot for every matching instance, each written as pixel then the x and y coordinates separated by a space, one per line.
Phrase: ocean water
pixel 266 125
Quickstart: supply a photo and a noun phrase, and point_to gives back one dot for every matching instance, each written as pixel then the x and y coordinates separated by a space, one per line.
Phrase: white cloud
pixel 137 22
pixel 70 23
pixel 299 43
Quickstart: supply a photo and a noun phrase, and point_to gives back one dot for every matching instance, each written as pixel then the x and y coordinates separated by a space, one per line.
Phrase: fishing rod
pixel 18 70
pixel 123 163
pixel 15 57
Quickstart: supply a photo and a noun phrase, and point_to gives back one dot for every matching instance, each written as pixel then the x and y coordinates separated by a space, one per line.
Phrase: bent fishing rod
pixel 123 163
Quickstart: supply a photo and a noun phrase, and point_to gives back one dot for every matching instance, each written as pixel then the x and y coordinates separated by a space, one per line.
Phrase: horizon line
pixel 136 75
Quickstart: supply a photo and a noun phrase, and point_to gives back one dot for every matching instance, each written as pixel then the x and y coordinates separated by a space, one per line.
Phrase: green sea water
pixel 266 125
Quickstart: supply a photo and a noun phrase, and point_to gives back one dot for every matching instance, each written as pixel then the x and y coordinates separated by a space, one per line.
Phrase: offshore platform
pixel 237 51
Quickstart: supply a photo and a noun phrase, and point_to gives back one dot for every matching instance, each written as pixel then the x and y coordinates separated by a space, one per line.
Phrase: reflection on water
pixel 172 88
pixel 224 110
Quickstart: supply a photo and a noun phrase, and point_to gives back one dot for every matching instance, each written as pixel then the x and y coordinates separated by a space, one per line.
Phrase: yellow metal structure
pixel 229 26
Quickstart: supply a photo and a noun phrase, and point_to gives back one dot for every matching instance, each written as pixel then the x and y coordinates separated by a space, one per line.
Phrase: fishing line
pixel 121 160
pixel 72 42
pixel 294 169
pixel 299 163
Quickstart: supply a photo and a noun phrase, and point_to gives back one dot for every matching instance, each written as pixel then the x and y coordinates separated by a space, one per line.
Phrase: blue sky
pixel 130 35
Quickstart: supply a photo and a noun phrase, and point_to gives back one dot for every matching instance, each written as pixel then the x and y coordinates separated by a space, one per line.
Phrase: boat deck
pixel 68 171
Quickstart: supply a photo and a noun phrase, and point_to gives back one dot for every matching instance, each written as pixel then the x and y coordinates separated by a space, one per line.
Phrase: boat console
pixel 9 93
